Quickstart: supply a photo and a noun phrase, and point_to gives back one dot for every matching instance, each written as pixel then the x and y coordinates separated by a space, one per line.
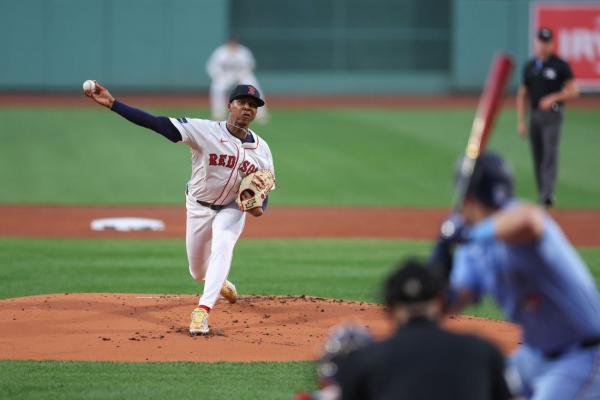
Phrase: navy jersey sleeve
pixel 161 125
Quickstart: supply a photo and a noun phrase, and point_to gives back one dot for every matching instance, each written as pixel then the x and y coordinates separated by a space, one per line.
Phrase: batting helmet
pixel 492 181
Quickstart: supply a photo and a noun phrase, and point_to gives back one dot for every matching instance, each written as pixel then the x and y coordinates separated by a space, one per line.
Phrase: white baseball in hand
pixel 89 86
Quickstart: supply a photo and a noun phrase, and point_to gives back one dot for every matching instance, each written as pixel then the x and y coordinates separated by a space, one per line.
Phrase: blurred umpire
pixel 547 81
pixel 421 360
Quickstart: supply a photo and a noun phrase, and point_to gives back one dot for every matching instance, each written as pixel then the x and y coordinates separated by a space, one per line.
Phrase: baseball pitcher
pixel 232 174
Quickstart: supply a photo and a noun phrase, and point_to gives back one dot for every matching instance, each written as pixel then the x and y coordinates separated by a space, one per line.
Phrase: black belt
pixel 584 344
pixel 554 108
pixel 205 204
pixel 211 206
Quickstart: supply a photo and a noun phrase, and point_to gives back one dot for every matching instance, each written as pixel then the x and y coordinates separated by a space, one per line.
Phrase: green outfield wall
pixel 130 44
pixel 307 46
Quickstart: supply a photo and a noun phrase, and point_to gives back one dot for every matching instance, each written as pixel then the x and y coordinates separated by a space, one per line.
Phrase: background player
pixel 548 81
pixel 229 65
pixel 223 152
pixel 515 252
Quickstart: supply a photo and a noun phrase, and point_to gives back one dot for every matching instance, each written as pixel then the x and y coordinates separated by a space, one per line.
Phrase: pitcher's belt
pixel 211 206
pixel 205 204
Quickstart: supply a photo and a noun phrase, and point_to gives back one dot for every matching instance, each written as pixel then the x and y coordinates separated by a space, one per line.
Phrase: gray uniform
pixel 544 136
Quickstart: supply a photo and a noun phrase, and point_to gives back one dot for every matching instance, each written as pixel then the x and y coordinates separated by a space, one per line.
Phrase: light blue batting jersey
pixel 544 286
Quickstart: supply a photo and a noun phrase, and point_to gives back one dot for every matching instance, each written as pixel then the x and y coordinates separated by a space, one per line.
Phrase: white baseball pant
pixel 210 239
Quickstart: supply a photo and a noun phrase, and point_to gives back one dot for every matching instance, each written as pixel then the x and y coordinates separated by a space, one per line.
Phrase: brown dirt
pixel 581 226
pixel 133 327
pixel 191 99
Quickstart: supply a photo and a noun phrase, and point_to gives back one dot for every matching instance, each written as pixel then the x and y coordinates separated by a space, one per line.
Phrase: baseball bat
pixel 487 109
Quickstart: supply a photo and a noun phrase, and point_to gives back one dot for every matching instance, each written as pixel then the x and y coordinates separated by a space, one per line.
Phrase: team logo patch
pixel 550 73
pixel 251 90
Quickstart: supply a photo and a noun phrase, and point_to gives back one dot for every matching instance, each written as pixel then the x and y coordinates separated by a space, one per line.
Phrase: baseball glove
pixel 258 185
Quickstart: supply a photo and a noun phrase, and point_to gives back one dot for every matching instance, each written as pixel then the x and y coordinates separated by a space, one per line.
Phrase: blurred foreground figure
pixel 515 252
pixel 422 360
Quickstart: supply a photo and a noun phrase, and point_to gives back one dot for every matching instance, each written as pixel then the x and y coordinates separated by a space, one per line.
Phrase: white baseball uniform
pixel 219 163
pixel 227 67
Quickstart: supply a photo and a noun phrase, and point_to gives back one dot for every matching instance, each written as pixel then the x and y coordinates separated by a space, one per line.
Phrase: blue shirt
pixel 544 286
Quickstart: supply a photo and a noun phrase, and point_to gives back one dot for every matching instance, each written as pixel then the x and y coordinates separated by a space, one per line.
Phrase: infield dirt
pixel 143 327
pixel 581 226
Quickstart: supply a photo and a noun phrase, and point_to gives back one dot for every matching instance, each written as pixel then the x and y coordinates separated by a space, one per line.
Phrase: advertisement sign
pixel 576 28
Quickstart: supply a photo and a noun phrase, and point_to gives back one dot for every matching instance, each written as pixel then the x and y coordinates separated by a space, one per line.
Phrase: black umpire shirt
pixel 542 78
pixel 422 361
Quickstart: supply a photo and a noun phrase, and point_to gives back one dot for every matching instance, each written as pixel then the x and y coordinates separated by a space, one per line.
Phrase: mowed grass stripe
pixel 322 157
pixel 182 380
pixel 347 269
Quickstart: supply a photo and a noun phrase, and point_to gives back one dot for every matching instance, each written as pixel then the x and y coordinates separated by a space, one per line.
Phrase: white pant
pixel 210 239
pixel 221 87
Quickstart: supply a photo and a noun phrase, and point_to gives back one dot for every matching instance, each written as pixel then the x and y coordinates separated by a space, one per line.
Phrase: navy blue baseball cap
pixel 492 180
pixel 246 91
pixel 545 34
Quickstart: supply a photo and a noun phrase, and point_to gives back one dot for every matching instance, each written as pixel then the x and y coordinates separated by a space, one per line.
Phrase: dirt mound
pixel 136 327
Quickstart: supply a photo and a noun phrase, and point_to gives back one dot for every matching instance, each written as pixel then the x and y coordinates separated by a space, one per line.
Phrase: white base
pixel 126 224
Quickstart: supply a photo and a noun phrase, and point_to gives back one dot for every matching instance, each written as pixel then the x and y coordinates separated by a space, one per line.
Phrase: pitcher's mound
pixel 130 327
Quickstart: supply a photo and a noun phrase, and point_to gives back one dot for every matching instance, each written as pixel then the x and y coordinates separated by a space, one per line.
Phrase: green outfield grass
pixel 183 380
pixel 323 157
pixel 36 266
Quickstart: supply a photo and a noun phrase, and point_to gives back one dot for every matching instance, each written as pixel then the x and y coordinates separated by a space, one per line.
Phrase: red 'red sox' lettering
pixel 229 161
